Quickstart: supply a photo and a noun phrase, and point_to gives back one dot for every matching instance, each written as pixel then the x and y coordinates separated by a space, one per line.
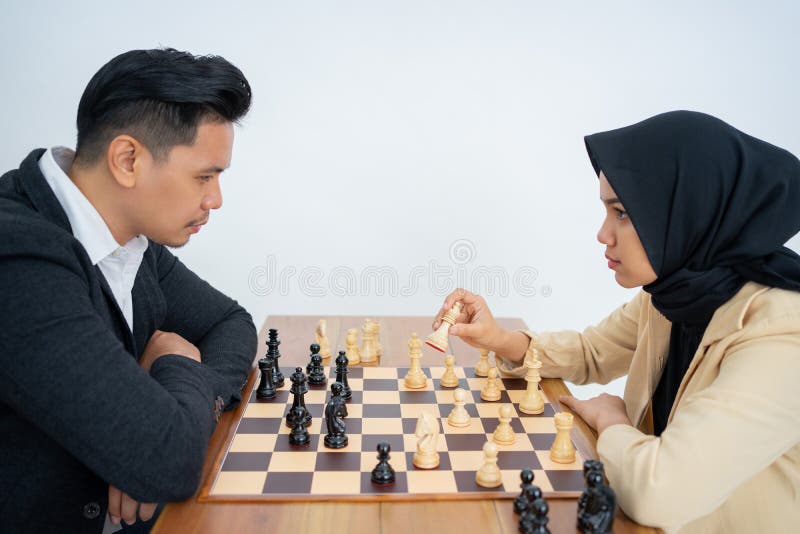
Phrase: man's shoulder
pixel 29 237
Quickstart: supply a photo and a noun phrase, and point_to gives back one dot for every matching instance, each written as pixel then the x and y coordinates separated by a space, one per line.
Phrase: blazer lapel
pixel 126 336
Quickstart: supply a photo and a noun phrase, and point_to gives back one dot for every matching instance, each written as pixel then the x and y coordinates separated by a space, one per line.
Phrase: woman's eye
pixel 621 214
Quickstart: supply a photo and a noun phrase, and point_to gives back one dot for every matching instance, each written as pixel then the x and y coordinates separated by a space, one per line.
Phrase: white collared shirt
pixel 119 264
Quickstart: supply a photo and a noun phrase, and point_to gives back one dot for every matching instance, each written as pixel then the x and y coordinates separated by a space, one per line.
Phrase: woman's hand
pixel 599 412
pixel 477 327
pixel 475 324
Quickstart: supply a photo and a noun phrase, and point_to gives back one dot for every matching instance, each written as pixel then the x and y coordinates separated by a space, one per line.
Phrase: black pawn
pixel 316 373
pixel 597 505
pixel 383 472
pixel 592 465
pixel 272 350
pixel 266 389
pixel 526 517
pixel 521 502
pixel 341 375
pixel 299 390
pixel 314 348
pixel 539 509
pixel 299 434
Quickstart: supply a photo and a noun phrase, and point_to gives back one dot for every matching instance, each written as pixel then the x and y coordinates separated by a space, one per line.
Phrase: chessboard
pixel 259 464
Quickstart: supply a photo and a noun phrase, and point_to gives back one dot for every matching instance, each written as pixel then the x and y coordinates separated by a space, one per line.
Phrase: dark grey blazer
pixel 77 413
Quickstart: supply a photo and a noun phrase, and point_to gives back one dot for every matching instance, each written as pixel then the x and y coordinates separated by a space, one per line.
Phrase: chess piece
pixel 489 475
pixel 597 505
pixel 299 434
pixel 266 389
pixel 532 403
pixel 341 375
pixel 539 510
pixel 353 353
pixel 272 351
pixel 335 412
pixel 438 339
pixel 369 352
pixel 322 339
pixel 415 379
pixel 562 450
pixel 449 378
pixel 592 465
pixel 427 432
pixel 316 372
pixel 383 472
pixel 491 391
pixel 376 335
pixel 504 434
pixel 459 417
pixel 521 501
pixel 299 390
pixel 526 517
pixel 482 369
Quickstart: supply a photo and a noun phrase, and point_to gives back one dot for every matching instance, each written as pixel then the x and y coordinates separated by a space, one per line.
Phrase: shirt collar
pixel 88 226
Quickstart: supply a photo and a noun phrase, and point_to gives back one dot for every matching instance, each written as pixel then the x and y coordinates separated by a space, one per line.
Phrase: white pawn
pixel 482 369
pixel 459 417
pixel 449 378
pixel 489 475
pixel 490 391
pixel 504 434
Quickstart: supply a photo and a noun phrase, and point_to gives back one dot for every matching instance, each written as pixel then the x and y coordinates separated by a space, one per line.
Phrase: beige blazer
pixel 729 459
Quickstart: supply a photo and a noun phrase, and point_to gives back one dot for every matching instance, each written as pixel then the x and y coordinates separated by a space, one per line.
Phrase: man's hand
pixel 599 412
pixel 162 343
pixel 121 505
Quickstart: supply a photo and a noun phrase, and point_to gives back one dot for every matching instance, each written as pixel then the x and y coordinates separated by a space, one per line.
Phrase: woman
pixel 697 214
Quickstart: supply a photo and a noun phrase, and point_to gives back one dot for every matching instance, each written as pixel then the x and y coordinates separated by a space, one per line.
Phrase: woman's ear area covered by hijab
pixel 624 251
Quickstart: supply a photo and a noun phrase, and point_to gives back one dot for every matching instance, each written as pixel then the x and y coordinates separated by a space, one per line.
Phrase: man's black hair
pixel 159 97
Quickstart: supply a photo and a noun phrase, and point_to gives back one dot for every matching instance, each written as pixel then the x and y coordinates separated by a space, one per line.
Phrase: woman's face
pixel 624 251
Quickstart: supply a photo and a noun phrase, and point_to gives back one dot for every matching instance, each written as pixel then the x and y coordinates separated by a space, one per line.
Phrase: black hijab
pixel 713 208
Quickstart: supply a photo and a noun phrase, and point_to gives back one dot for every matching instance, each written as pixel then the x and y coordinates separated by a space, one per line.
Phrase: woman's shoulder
pixel 764 306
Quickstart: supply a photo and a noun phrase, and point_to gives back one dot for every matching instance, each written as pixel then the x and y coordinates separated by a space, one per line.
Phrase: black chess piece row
pixel 531 506
pixel 597 505
pixel 298 418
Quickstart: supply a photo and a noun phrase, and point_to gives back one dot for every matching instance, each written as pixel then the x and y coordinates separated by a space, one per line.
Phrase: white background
pixel 389 136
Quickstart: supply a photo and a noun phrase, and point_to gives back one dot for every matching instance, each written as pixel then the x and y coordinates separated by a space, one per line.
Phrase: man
pixel 115 359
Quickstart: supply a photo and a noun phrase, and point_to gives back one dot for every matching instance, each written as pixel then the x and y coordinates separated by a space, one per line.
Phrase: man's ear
pixel 125 155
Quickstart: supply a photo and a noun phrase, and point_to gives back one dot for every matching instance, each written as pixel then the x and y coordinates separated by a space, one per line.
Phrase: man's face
pixel 175 197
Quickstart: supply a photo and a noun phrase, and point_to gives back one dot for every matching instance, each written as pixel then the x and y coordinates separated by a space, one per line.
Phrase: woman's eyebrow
pixel 609 201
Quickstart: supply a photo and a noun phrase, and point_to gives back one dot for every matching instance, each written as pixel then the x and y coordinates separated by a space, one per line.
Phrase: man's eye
pixel 205 178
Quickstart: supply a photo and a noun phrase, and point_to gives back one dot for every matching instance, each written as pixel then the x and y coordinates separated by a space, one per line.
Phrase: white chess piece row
pixel 370 350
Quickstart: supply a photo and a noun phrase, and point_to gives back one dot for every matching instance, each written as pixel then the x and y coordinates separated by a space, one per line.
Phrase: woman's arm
pixel 718 438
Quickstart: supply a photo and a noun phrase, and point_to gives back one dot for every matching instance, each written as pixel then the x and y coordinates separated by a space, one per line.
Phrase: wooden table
pixel 487 516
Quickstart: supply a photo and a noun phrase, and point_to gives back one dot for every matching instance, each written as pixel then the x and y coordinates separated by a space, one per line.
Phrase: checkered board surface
pixel 261 465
